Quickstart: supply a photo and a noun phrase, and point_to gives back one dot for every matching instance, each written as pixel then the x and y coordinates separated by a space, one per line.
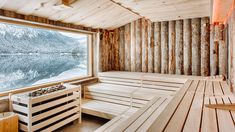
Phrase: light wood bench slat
pixel 209 121
pixel 117 120
pixel 164 117
pixel 108 92
pixel 125 124
pixel 148 94
pixel 165 79
pixel 209 90
pixel 127 99
pixel 178 119
pixel 226 88
pixel 121 83
pixel 156 113
pixel 124 117
pixel 102 109
pixel 117 79
pixel 217 89
pixel 194 117
pixel 158 83
pixel 135 125
pixel 160 87
pixel 224 119
pixel 114 108
pixel 114 101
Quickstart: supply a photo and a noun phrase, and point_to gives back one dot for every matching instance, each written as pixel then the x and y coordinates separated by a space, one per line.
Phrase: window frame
pixel 90 60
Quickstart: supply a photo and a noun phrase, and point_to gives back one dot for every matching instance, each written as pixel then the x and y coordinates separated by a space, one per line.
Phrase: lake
pixel 21 70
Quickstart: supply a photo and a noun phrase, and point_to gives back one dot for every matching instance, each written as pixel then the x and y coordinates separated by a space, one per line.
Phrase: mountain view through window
pixel 31 56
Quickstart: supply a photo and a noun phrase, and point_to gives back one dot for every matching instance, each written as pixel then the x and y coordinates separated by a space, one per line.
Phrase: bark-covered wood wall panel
pixel 230 39
pixel 170 47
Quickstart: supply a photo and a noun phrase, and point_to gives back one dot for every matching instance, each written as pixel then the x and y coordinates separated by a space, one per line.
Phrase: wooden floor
pixel 89 124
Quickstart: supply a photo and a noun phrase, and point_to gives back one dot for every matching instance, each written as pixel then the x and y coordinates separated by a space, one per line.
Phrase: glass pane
pixel 31 56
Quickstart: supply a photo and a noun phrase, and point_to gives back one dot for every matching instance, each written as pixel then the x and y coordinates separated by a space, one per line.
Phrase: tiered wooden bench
pixel 194 109
pixel 141 119
pixel 201 105
pixel 103 109
pixel 122 90
pixel 149 101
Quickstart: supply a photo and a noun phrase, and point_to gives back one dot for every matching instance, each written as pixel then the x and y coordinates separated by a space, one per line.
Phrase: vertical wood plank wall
pixel 230 38
pixel 170 47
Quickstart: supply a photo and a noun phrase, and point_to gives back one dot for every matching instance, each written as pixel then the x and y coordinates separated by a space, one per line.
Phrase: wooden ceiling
pixel 164 10
pixel 110 14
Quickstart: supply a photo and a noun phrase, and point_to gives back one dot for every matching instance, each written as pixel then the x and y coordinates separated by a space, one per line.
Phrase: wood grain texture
pixel 116 50
pixel 172 37
pixel 179 47
pixel 127 47
pixel 138 46
pixel 144 45
pixel 196 56
pixel 8 123
pixel 150 47
pixel 187 47
pixel 205 46
pixel 174 47
pixel 159 10
pixel 213 52
pixel 106 45
pixel 122 48
pixel 164 47
pixel 101 56
pixel 111 50
pixel 222 51
pixel 133 46
pixel 91 13
pixel 231 53
pixel 157 47
pixel 42 22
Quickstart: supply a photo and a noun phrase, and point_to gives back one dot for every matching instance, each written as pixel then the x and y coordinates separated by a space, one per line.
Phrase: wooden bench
pixel 128 89
pixel 144 98
pixel 188 110
pixel 103 109
pixel 141 119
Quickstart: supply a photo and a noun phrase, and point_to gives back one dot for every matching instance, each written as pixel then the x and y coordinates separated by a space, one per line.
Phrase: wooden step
pixel 102 109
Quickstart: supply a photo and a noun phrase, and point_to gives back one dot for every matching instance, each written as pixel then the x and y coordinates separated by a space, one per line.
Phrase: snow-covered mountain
pixel 20 39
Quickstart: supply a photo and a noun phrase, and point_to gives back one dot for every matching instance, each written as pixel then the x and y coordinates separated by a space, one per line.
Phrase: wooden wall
pixel 230 36
pixel 170 47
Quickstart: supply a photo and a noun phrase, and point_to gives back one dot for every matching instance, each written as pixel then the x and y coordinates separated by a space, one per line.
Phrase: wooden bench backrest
pixel 122 78
pixel 143 80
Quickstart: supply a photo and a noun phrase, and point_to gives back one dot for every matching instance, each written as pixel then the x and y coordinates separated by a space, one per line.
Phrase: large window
pixel 32 56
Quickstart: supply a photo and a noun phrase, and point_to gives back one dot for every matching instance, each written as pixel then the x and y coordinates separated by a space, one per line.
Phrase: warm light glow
pixel 222 11
pixel 229 13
